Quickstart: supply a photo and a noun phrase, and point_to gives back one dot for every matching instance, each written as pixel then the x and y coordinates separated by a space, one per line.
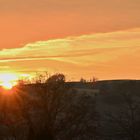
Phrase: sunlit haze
pixel 8 80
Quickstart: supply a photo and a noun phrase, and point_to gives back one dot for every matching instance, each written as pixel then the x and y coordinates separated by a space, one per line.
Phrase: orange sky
pixel 80 38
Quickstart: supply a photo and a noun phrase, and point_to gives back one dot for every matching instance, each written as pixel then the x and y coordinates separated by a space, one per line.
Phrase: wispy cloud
pixel 94 52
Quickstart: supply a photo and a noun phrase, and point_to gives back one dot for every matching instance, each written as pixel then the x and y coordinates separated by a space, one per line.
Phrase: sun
pixel 8 80
pixel 7 85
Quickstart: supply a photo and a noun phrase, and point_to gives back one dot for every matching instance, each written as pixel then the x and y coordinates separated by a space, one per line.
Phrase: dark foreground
pixel 56 110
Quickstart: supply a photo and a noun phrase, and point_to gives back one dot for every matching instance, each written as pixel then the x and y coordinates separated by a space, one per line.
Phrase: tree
pixel 80 119
pixel 57 110
pixel 55 90
pixel 82 80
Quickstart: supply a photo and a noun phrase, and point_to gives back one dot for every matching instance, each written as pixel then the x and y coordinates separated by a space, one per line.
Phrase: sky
pixel 80 38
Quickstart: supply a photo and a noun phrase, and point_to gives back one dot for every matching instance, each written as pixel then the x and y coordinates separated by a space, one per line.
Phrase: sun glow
pixel 8 80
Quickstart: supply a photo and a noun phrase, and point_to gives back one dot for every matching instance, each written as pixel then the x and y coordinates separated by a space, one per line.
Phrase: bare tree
pixel 80 119
pixel 57 109
pixel 52 96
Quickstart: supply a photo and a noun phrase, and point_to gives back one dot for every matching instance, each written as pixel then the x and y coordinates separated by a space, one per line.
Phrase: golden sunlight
pixel 8 80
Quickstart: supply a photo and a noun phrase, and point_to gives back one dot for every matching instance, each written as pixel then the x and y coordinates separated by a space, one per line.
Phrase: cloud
pixel 76 46
pixel 24 21
pixel 78 54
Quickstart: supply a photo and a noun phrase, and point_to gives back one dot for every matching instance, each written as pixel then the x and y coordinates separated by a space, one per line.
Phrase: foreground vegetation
pixel 53 109
pixel 47 111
